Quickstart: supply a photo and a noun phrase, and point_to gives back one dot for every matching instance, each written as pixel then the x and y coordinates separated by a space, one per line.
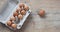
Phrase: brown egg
pixel 26 8
pixel 23 12
pixel 13 25
pixel 12 18
pixel 15 14
pixel 41 12
pixel 18 10
pixel 21 5
pixel 20 16
pixel 9 23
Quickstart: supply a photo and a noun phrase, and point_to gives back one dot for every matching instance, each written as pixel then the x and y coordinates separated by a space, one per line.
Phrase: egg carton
pixel 8 12
pixel 3 4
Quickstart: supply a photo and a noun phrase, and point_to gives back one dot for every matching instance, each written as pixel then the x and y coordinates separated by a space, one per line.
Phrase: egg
pixel 21 5
pixel 23 12
pixel 20 16
pixel 41 12
pixel 26 8
pixel 18 10
pixel 13 25
pixel 9 23
pixel 15 14
pixel 12 18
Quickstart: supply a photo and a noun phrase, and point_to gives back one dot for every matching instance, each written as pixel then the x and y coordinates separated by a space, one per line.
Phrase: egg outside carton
pixel 19 25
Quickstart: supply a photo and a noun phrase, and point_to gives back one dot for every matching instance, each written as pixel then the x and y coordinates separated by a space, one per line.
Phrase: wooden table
pixel 35 23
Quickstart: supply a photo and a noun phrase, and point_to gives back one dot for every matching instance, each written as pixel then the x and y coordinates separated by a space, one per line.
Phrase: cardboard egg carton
pixel 19 25
pixel 3 5
pixel 9 12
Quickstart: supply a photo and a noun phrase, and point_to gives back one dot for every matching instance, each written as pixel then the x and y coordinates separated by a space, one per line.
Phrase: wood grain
pixel 34 23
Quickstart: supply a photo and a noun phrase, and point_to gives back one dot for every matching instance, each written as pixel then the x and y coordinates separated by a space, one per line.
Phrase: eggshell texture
pixel 15 14
pixel 26 8
pixel 41 12
pixel 20 16
pixel 12 18
pixel 13 25
pixel 18 10
pixel 9 23
pixel 21 5
pixel 23 12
